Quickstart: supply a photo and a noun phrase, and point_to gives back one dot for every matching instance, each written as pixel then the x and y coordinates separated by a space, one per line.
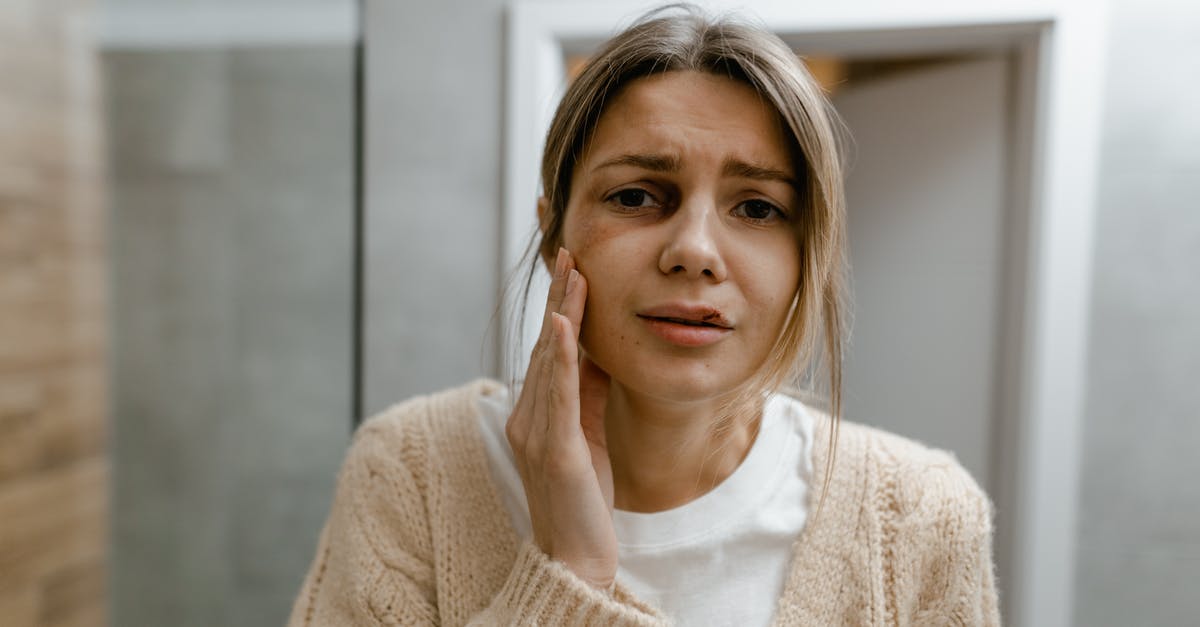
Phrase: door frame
pixel 1058 51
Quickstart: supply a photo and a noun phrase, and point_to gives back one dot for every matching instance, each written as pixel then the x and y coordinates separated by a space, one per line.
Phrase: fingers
pixel 543 406
pixel 563 418
pixel 528 425
pixel 566 473
pixel 574 299
pixel 563 264
pixel 533 392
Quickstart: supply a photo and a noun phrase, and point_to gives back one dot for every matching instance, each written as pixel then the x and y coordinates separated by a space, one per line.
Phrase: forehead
pixel 690 114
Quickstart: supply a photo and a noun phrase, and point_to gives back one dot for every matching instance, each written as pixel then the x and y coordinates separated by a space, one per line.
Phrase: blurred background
pixel 229 230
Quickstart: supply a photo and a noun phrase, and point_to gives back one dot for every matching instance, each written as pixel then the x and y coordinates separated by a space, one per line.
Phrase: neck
pixel 666 454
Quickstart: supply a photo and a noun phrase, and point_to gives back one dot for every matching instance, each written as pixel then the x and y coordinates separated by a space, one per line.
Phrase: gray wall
pixel 1138 561
pixel 433 195
pixel 231 214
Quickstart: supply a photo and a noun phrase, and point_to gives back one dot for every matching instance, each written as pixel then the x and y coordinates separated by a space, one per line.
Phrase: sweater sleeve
pixel 541 591
pixel 968 590
pixel 986 597
pixel 375 562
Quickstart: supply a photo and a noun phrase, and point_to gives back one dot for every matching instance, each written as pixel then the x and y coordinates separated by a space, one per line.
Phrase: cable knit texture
pixel 417 535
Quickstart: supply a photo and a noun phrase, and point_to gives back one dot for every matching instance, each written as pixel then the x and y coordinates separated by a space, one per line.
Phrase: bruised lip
pixel 686 325
pixel 698 315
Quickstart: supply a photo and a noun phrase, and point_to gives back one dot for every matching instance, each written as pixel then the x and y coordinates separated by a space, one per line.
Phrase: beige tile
pixel 74 595
pixel 19 605
pixel 51 520
pixel 53 466
pixel 32 335
pixel 21 397
pixel 72 422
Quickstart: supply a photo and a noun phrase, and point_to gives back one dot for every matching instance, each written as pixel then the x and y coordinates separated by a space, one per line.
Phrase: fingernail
pixel 560 264
pixel 554 325
pixel 572 279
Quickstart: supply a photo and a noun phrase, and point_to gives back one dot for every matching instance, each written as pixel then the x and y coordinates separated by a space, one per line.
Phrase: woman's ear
pixel 543 211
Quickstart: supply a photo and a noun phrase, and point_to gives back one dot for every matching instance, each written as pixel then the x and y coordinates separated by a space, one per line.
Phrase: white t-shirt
pixel 719 560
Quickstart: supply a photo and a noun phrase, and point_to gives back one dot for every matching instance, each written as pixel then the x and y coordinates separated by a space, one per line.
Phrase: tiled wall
pixel 54 464
pixel 232 209
pixel 433 195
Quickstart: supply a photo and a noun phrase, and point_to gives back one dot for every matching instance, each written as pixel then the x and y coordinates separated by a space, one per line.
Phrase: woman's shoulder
pixel 434 423
pixel 451 404
pixel 906 474
pixel 920 481
pixel 932 517
pixel 901 451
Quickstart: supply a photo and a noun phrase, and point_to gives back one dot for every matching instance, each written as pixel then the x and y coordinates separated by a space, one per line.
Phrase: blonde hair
pixel 682 38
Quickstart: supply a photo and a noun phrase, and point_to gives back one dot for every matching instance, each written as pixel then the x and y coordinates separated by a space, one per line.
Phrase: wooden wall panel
pixel 54 466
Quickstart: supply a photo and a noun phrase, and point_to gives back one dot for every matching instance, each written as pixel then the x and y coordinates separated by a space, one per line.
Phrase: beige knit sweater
pixel 418 536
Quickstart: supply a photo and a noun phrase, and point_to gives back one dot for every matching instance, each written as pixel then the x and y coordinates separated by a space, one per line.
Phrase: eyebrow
pixel 741 169
pixel 654 163
pixel 732 167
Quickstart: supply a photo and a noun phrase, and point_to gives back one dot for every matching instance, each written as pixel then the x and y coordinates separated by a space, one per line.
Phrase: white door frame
pixel 1058 47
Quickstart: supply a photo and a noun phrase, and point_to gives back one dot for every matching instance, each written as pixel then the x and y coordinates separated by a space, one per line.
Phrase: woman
pixel 649 470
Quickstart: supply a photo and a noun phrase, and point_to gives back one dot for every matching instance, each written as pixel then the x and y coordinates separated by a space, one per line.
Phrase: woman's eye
pixel 758 210
pixel 633 198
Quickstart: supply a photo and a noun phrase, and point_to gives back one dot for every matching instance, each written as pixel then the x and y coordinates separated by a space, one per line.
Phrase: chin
pixel 676 380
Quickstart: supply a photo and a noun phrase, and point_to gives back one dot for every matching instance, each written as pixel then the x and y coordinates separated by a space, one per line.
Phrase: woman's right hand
pixel 556 432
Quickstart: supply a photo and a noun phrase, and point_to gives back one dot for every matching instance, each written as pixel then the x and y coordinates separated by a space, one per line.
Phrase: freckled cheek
pixel 588 240
pixel 599 258
pixel 581 234
pixel 601 315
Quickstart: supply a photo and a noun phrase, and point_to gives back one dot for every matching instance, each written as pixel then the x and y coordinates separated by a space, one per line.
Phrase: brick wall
pixel 54 465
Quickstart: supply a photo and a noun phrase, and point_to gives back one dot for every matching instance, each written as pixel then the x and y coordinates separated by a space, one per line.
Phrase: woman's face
pixel 682 217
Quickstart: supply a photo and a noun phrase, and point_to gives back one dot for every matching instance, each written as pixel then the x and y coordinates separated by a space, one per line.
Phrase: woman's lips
pixel 683 334
pixel 686 312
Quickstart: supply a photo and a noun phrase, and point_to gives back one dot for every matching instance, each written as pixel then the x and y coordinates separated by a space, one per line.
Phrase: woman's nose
pixel 691 248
